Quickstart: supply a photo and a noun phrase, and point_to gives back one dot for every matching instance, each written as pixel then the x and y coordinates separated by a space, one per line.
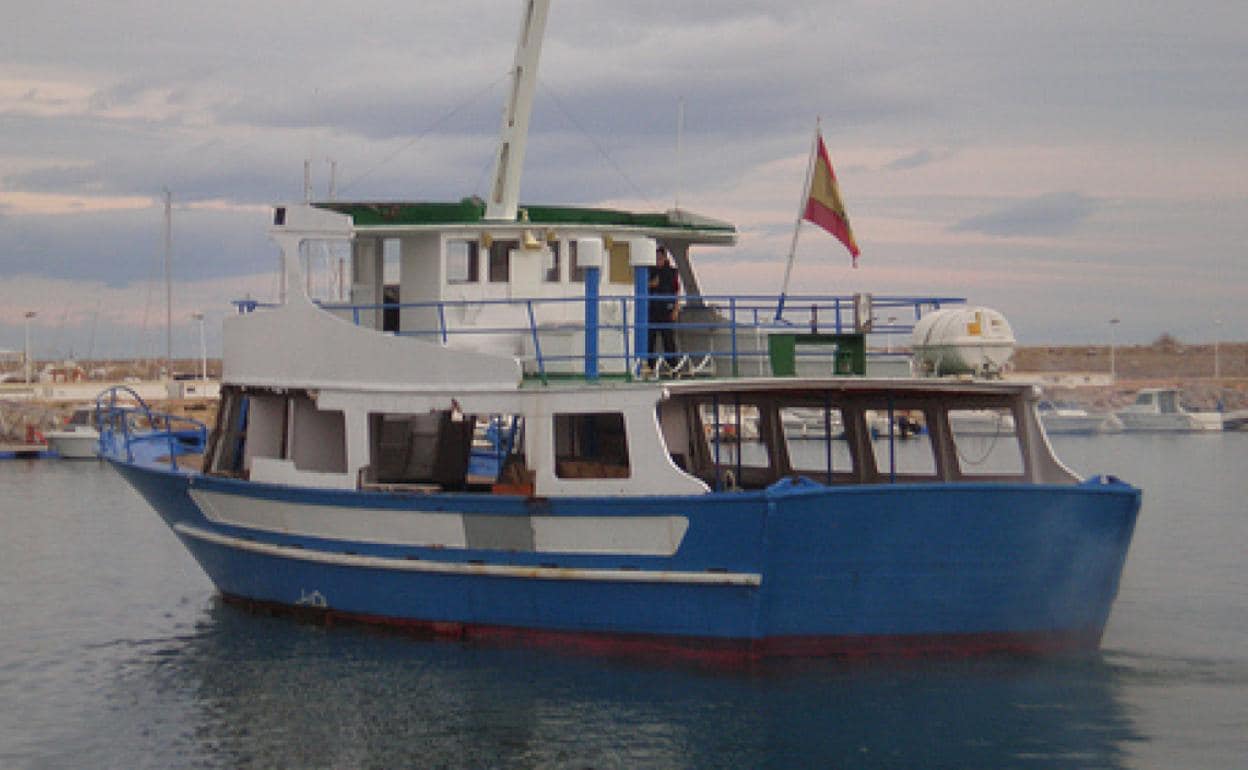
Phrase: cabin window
pixel 902 447
pixel 735 433
pixel 553 258
pixel 462 262
pixel 815 438
pixel 423 449
pixel 497 455
pixel 742 449
pixel 986 442
pixel 500 260
pixel 591 446
pixel 576 273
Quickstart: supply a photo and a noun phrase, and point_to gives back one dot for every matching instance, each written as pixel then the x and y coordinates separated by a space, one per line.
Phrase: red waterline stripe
pixel 709 650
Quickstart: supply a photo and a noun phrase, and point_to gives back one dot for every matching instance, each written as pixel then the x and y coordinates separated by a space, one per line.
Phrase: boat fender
pixel 793 484
pixel 1103 481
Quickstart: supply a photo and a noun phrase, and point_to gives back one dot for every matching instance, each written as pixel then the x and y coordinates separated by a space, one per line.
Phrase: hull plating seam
pixel 484 570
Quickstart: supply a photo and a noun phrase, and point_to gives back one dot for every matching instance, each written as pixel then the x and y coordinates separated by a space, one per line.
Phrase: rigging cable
pixel 601 151
pixel 428 130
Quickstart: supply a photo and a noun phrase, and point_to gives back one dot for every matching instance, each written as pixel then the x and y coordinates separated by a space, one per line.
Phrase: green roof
pixel 471 211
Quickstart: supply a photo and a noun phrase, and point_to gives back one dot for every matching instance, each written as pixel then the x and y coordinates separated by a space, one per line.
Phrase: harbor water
pixel 116 653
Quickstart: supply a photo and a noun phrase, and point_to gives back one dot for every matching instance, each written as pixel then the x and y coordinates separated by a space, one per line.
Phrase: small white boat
pixel 1159 409
pixel 78 438
pixel 1067 418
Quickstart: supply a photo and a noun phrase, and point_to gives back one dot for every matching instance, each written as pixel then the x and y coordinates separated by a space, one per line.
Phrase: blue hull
pixel 796 570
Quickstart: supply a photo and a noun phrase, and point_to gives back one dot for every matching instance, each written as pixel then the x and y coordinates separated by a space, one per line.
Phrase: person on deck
pixel 664 283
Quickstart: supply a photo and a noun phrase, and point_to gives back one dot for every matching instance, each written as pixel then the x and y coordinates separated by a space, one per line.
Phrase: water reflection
pixel 255 692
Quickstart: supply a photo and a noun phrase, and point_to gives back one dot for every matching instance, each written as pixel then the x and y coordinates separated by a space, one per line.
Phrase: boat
pixel 1236 420
pixel 1061 417
pixel 983 422
pixel 621 516
pixel 77 438
pixel 1161 409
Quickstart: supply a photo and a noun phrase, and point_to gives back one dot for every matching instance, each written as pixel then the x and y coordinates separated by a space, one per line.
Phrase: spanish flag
pixel 823 204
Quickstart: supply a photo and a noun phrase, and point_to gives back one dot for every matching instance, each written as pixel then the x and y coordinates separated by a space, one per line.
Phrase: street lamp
pixel 1113 364
pixel 203 348
pixel 26 359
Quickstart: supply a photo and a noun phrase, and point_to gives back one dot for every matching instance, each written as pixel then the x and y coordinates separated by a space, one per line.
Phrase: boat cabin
pixel 687 437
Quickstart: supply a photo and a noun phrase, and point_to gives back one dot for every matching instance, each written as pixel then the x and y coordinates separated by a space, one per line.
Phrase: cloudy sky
pixel 1063 162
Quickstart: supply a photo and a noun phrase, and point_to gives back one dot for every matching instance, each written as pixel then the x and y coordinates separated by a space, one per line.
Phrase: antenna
pixel 680 146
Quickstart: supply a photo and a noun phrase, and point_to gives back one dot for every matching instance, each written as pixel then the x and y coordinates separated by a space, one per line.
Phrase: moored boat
pixel 1064 418
pixel 348 473
pixel 1161 409
pixel 77 438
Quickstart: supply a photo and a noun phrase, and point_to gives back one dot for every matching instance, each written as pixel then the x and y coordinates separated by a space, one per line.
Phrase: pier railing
pixel 725 335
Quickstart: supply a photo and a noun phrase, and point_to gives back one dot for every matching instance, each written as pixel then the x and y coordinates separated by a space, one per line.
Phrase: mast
pixel 168 282
pixel 801 214
pixel 505 194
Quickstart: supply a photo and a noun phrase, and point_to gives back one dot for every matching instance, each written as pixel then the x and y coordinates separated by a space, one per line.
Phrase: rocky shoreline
pixel 1165 363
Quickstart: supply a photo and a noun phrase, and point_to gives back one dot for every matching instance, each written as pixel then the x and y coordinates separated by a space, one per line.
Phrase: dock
pixel 25 451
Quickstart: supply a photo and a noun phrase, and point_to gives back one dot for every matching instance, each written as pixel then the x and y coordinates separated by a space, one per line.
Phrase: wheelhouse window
pixel 462 262
pixel 322 261
pixel 500 260
pixel 591 446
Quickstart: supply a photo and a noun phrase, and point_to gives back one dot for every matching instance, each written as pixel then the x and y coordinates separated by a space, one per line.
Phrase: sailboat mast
pixel 168 282
pixel 505 195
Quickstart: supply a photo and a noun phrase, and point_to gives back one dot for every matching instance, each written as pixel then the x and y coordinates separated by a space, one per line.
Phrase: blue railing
pixel 735 319
pixel 126 422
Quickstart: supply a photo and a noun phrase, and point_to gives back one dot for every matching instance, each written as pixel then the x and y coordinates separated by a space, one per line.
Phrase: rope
pixel 996 436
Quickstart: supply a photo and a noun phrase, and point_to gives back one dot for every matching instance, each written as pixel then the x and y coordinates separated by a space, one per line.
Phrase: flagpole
pixel 801 213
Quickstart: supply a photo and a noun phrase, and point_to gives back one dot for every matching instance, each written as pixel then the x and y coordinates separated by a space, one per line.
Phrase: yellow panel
pixel 620 271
